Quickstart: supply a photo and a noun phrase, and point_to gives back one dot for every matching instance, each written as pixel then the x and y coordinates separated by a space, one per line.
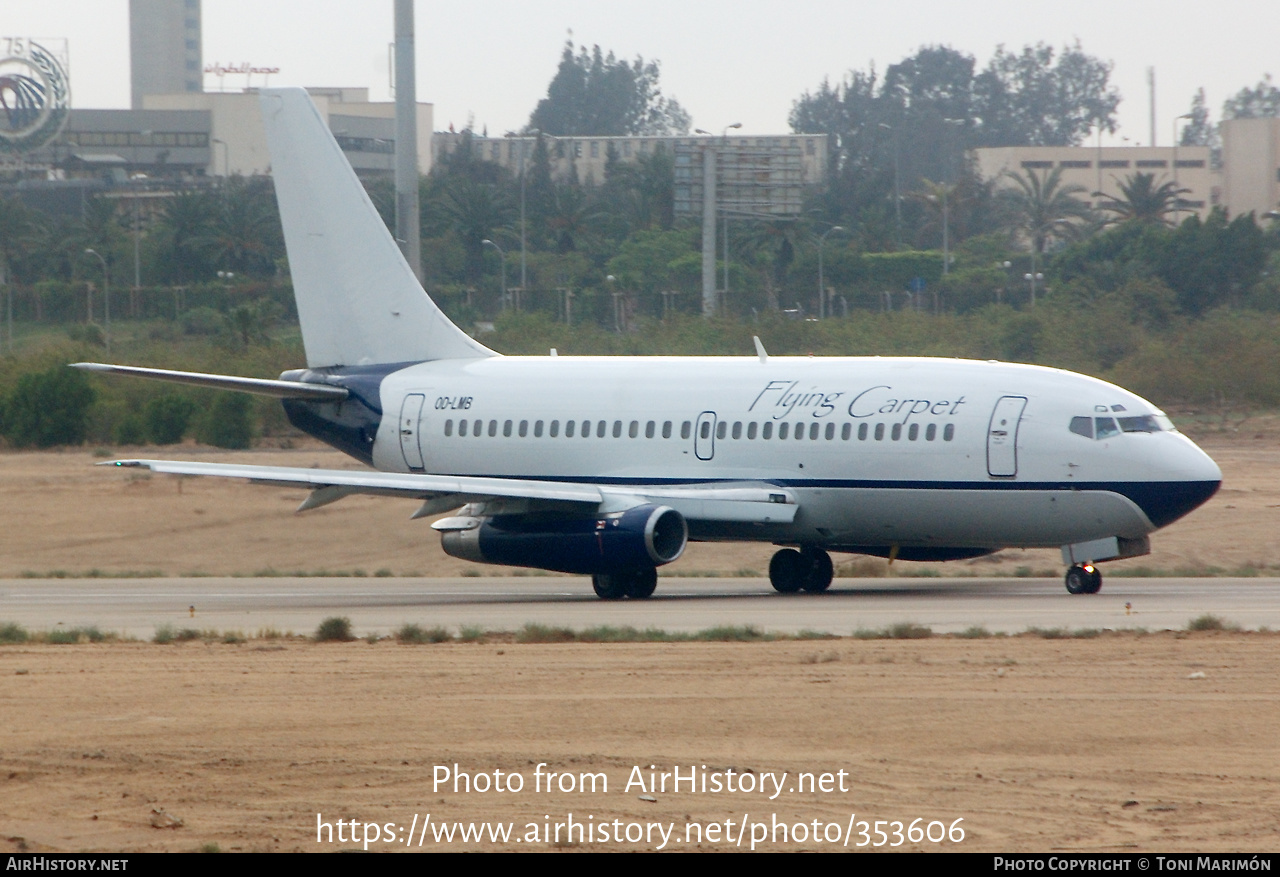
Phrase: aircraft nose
pixel 1193 478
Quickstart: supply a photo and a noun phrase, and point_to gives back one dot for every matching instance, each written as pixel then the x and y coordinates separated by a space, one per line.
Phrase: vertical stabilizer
pixel 358 301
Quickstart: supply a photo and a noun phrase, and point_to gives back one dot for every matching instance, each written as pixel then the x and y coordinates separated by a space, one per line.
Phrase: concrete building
pixel 189 137
pixel 806 154
pixel 1251 166
pixel 1103 169
pixel 164 48
pixel 364 129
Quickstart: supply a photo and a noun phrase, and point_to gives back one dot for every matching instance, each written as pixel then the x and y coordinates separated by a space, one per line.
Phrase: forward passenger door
pixel 1002 436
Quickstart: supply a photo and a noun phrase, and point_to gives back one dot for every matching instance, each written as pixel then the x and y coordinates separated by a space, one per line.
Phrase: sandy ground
pixel 1157 743
pixel 72 517
pixel 1038 745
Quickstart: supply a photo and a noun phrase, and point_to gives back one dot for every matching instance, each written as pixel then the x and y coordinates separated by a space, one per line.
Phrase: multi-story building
pixel 1100 171
pixel 164 48
pixel 784 164
pixel 1251 166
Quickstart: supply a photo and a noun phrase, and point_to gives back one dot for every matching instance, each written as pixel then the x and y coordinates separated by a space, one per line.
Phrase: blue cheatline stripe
pixel 1163 502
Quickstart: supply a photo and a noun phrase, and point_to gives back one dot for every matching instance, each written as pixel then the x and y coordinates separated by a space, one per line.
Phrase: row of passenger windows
pixel 751 431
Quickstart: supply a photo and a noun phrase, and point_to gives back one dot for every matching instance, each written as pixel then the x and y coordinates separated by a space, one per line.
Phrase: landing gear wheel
pixel 1081 579
pixel 643 583
pixel 610 586
pixel 818 570
pixel 787 571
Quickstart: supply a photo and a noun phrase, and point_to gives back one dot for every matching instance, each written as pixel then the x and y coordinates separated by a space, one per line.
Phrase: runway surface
pixel 136 607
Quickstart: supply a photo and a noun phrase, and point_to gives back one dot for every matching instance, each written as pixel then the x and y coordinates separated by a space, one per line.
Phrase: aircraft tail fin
pixel 358 301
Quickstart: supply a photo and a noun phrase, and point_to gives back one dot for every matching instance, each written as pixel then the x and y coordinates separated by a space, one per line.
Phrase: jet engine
pixel 645 536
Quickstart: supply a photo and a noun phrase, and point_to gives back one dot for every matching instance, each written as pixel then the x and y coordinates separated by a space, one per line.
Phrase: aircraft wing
pixel 736 501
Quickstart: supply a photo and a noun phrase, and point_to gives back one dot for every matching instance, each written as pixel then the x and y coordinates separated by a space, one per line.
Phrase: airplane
pixel 609 466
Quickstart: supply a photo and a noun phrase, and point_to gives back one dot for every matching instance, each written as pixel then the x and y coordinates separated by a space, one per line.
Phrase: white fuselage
pixel 878 451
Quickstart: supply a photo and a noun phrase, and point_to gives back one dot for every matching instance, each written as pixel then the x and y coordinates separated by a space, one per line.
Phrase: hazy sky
pixel 726 62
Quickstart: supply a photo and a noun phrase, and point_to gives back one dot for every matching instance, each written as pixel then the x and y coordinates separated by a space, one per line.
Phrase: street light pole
pixel 226 161
pixel 709 221
pixel 822 288
pixel 502 257
pixel 1177 198
pixel 106 296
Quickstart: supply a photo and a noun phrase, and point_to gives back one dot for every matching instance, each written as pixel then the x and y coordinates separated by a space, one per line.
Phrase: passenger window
pixel 524 428
pixel 537 429
pixel 462 427
pixel 686 429
pixel 506 429
pixel 846 431
pixel 783 429
pixel 766 431
pixel 879 432
pixel 649 429
pixel 601 427
pixel 586 429
pixel 737 430
pixel 862 432
pixel 478 428
pixel 722 429
pixel 555 428
pixel 569 426
pixel 913 432
pixel 1082 426
pixel 751 430
pixel 897 431
pixel 617 429
pixel 635 429
pixel 493 428
pixel 931 432
pixel 949 432
pixel 448 427
pixel 666 429
pixel 1106 427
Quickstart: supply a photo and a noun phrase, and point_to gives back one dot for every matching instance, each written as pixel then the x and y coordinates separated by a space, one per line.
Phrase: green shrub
pixel 129 431
pixel 334 629
pixel 412 634
pixel 48 408
pixel 167 418
pixel 13 634
pixel 228 422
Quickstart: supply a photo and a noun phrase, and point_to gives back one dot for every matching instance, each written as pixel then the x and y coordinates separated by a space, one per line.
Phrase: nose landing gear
pixel 1084 578
pixel 809 569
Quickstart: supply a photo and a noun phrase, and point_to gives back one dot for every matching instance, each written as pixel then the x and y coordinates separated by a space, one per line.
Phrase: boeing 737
pixel 608 466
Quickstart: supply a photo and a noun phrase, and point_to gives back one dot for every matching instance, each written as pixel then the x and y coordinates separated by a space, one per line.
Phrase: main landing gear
pixel 638 584
pixel 808 569
pixel 1084 578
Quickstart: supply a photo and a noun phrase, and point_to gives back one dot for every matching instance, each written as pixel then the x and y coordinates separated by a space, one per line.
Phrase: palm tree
pixel 1042 209
pixel 1143 201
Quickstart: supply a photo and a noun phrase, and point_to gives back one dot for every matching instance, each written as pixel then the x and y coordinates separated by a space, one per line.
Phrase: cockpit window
pixel 1082 426
pixel 1106 427
pixel 1145 423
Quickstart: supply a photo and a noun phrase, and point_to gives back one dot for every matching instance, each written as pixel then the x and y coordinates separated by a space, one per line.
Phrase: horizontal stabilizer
pixel 260 386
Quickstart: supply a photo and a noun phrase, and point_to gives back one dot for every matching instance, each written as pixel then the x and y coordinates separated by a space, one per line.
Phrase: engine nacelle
pixel 640 537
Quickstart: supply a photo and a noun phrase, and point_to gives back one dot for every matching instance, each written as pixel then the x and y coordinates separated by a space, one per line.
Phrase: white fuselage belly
pixel 927 480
